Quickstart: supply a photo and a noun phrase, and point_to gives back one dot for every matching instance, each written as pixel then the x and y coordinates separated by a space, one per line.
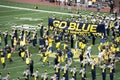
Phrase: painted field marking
pixel 44 11
pixel 18 15
pixel 8 11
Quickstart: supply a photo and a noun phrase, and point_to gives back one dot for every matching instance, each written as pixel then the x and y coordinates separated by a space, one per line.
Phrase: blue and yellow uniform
pixel 6 38
pixel 65 73
pixel 23 55
pixel 103 69
pixel 15 43
pixel 83 74
pixel 82 46
pixel 93 70
pixel 74 73
pixel 60 56
pixel 2 59
pixel 9 55
pixel 50 44
pixel 28 60
pixel 45 57
pixel 111 69
pixel 57 71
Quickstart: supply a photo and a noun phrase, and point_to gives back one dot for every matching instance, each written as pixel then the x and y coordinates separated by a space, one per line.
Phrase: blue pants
pixel 103 76
pixel 93 74
pixel 111 76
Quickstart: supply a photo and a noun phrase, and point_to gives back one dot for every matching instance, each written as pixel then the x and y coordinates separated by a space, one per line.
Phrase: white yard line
pixel 44 11
pixel 18 15
pixel 9 11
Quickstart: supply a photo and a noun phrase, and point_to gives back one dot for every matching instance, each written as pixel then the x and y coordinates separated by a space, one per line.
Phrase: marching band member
pixel 54 77
pixel 73 72
pixel 41 30
pixel 50 43
pixel 83 74
pixel 93 69
pixel 88 53
pixel 83 63
pixel 7 77
pixel 100 56
pixel 65 72
pixel 46 41
pixel 57 71
pixel 12 40
pixel 56 60
pixel 81 56
pixel 42 41
pixel 15 43
pixel 28 59
pixel 2 59
pixel 65 47
pixel 60 55
pixel 34 39
pixel 57 41
pixel 45 57
pixel 111 69
pixel 9 53
pixel 69 57
pixel 31 67
pixel 36 75
pixel 22 53
pixel 5 34
pixel 26 74
pixel 44 76
pixel 103 69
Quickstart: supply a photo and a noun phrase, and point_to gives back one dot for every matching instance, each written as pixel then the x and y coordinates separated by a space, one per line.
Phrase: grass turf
pixel 9 17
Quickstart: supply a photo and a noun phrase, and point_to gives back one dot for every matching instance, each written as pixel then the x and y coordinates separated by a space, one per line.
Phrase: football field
pixel 12 13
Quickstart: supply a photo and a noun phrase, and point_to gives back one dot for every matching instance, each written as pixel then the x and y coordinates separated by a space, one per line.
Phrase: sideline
pixel 44 11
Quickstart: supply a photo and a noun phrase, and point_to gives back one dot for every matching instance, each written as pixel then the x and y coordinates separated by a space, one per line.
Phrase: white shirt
pixel 100 55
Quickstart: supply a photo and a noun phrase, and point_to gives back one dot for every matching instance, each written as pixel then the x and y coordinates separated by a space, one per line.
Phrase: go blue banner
pixel 78 28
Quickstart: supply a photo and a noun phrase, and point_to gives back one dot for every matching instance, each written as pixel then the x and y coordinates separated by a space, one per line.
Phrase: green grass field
pixel 9 17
